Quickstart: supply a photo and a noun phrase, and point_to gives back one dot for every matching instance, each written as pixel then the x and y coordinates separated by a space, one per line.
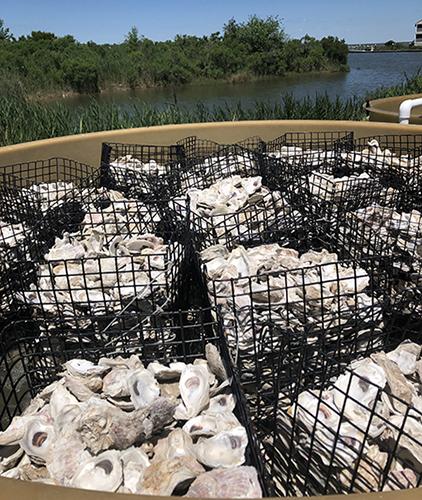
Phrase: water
pixel 368 71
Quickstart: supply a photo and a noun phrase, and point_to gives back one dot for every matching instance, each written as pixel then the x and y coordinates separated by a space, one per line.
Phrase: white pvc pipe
pixel 406 109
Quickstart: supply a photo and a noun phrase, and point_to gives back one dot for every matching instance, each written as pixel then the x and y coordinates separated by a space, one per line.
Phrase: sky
pixel 107 21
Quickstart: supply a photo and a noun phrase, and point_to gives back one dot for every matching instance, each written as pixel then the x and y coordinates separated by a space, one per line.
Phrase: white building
pixel 418 36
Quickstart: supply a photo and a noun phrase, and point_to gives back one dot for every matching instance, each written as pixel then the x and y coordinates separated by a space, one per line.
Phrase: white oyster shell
pixel 38 438
pixel 143 388
pixel 194 390
pixel 236 482
pixel 226 449
pixel 103 472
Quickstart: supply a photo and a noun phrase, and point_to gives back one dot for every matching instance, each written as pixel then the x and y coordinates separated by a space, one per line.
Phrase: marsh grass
pixel 24 120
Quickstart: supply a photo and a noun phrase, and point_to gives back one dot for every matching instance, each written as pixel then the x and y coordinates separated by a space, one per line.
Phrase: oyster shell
pixel 131 363
pixel 15 431
pixel 166 373
pixel 210 425
pixel 115 383
pixel 224 403
pixel 103 472
pixel 237 482
pixel 60 398
pixel 135 462
pixel 162 478
pixel 358 391
pixel 405 356
pixel 215 362
pixel 177 444
pixel 226 449
pixel 143 388
pixel 78 388
pixel 38 439
pixel 66 455
pixel 401 390
pixel 84 368
pixel 103 426
pixel 194 390
pixel 408 433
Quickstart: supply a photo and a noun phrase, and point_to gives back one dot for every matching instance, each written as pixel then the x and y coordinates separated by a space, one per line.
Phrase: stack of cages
pixel 295 155
pixel 123 256
pixel 281 286
pixel 353 429
pixel 396 160
pixel 139 170
pixel 222 192
pixel 37 199
pixel 392 225
pixel 109 409
pixel 354 425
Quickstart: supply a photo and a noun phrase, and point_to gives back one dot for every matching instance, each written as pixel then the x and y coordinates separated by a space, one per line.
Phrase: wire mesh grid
pixel 140 169
pixel 271 293
pixel 236 209
pixel 35 351
pixel 294 155
pixel 123 256
pixel 396 160
pixel 353 430
pixel 329 194
pixel 196 149
pixel 231 160
pixel 43 184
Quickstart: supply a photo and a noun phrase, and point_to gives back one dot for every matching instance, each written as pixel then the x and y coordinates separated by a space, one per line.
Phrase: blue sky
pixel 109 20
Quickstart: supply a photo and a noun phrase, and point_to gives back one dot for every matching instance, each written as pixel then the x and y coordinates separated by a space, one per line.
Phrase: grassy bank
pixel 22 120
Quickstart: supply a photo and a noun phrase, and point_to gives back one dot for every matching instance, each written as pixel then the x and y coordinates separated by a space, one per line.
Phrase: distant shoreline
pixel 383 51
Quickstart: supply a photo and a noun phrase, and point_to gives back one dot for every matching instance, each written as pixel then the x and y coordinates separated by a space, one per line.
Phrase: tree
pixel 133 39
pixel 390 43
pixel 4 31
pixel 335 49
pixel 82 76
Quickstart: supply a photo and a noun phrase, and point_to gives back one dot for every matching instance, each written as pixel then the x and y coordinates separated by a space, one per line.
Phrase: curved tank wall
pixel 387 109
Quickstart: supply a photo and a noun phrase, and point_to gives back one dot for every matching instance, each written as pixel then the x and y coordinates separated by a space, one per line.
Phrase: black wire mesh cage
pixel 124 255
pixel 355 429
pixel 395 159
pixel 234 209
pixel 34 354
pixel 273 292
pixel 196 149
pixel 40 196
pixel 329 194
pixel 140 169
pixel 293 155
pixel 203 170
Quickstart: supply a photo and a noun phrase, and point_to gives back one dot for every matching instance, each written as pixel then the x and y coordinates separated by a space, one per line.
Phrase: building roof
pixel 418 22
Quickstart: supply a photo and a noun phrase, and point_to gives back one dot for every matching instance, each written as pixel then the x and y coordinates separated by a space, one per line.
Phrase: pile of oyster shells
pixel 234 206
pixel 51 194
pixel 222 165
pixel 129 170
pixel 311 288
pixel 396 233
pixel 383 161
pixel 11 234
pixel 110 262
pixel 370 413
pixel 331 188
pixel 296 155
pixel 118 426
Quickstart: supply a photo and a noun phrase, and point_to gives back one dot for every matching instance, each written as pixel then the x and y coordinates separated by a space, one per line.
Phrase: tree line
pixel 258 47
